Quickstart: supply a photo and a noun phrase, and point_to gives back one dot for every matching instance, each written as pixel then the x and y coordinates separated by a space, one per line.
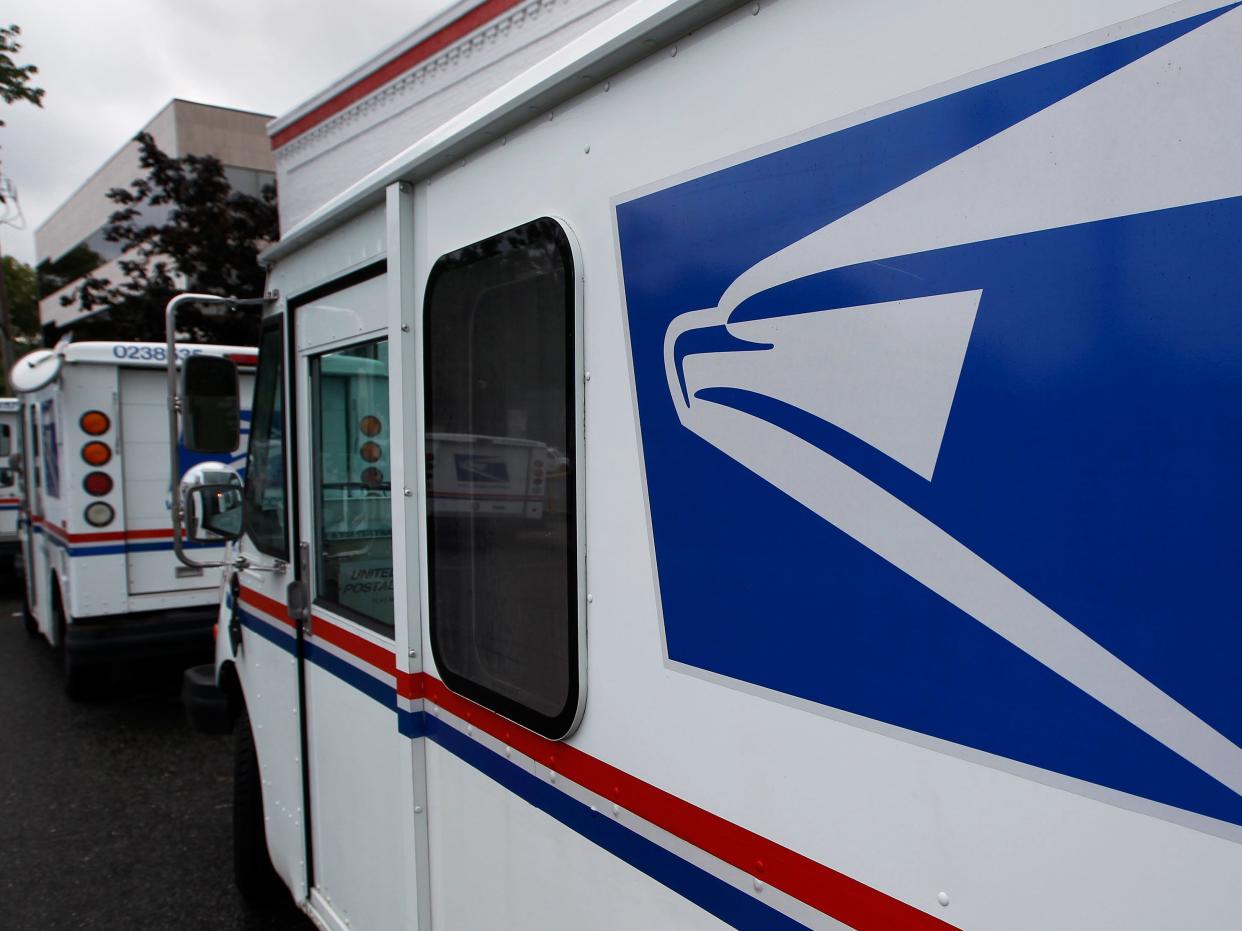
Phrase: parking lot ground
pixel 113 813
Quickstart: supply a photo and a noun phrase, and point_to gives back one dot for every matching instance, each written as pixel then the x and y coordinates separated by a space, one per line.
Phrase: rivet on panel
pixel 672 53
pixel 754 10
pixel 758 884
pixel 590 598
pixel 587 376
pixel 943 898
pixel 586 149
pixel 418 809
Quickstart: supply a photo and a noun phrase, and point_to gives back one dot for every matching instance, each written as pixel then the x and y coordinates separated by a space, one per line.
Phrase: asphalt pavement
pixel 113 813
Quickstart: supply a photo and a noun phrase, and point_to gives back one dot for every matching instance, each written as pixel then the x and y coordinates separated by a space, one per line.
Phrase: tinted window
pixel 502 549
pixel 353 483
pixel 265 514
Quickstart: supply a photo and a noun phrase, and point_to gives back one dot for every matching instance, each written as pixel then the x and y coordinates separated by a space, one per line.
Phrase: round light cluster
pixel 97 453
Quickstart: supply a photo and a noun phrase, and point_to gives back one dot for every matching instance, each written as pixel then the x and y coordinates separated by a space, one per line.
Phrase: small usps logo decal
pixel 475 469
pixel 942 415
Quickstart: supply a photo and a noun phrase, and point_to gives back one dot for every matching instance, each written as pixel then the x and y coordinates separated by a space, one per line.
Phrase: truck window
pixel 51 450
pixel 353 483
pixel 499 369
pixel 264 513
pixel 34 451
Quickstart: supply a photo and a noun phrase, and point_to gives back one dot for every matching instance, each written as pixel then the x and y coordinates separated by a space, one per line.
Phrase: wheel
pixel 252 865
pixel 28 618
pixel 82 681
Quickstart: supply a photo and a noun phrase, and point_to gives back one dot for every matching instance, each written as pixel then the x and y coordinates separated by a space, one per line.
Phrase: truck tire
pixel 82 682
pixel 252 865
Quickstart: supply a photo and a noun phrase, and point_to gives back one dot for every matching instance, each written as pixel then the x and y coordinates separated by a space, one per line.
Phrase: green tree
pixel 22 286
pixel 14 78
pixel 53 275
pixel 181 227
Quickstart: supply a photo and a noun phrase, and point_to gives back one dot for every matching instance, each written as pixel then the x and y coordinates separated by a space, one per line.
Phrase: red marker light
pixel 97 483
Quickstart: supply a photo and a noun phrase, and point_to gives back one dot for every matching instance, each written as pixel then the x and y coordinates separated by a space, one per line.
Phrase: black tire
pixel 82 682
pixel 252 865
pixel 28 618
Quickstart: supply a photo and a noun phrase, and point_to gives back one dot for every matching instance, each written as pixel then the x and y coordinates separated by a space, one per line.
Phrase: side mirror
pixel 210 405
pixel 211 500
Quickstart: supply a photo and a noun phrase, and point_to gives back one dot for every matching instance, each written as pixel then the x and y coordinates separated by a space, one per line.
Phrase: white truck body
pixel 900 361
pixel 110 589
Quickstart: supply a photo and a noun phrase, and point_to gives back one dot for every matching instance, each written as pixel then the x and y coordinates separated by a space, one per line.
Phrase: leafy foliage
pixel 14 78
pixel 181 227
pixel 54 275
pixel 23 293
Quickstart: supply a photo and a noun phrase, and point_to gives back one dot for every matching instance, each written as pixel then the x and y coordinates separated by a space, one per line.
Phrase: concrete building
pixel 70 243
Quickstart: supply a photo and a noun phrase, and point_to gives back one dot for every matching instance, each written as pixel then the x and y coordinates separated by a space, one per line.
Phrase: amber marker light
pixel 370 425
pixel 97 453
pixel 95 423
pixel 370 452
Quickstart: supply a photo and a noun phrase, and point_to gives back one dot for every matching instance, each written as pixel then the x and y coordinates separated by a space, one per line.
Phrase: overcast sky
pixel 108 66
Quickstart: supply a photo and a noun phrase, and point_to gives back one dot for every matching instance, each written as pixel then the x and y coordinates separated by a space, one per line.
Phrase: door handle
pixel 297 597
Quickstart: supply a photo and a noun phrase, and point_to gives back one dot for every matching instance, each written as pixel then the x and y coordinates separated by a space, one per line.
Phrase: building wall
pixel 238 138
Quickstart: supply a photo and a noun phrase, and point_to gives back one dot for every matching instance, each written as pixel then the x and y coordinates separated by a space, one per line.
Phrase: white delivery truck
pixel 10 484
pixel 101 582
pixel 890 353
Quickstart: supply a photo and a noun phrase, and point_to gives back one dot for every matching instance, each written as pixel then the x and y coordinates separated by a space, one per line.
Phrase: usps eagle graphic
pixel 941 414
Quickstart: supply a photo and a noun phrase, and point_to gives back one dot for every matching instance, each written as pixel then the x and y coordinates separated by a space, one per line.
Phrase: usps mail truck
pixel 101 583
pixel 891 354
pixel 10 484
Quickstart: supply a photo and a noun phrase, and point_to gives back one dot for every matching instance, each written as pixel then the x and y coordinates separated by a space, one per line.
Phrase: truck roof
pixel 629 35
pixel 149 355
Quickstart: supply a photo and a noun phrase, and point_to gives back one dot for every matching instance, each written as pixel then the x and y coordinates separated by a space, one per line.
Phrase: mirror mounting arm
pixel 174 407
